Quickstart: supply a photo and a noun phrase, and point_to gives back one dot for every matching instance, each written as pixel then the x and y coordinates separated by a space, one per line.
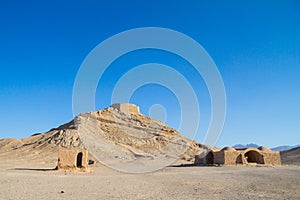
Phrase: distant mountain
pixel 242 146
pixel 279 148
pixel 284 148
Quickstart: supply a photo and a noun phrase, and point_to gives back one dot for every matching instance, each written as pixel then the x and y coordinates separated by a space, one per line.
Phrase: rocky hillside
pixel 112 134
pixel 291 156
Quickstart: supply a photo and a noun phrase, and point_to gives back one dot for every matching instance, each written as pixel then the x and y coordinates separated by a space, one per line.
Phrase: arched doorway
pixel 209 158
pixel 239 159
pixel 254 157
pixel 79 160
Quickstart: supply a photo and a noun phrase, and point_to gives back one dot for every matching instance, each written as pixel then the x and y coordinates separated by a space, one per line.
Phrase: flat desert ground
pixel 190 182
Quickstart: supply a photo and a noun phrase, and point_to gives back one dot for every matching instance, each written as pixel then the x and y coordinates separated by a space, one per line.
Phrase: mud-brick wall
pixel 219 157
pixel 67 159
pixel 126 108
pixel 272 158
pixel 231 157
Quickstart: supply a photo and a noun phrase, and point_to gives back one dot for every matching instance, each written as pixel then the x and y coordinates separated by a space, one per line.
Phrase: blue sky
pixel 255 44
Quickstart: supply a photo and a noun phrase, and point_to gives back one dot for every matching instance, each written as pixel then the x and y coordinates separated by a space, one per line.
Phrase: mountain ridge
pixel 277 148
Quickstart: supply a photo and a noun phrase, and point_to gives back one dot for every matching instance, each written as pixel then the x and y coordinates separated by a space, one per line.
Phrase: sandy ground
pixel 230 182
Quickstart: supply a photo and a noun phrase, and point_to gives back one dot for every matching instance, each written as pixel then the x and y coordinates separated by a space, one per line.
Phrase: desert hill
pixel 291 156
pixel 114 134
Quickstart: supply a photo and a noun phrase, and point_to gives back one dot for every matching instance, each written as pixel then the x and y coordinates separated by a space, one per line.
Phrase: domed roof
pixel 262 148
pixel 228 149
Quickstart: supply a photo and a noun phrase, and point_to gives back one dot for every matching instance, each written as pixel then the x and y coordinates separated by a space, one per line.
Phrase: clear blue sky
pixel 255 44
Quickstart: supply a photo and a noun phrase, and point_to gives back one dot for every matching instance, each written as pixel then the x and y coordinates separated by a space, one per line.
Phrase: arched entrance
pixel 254 157
pixel 79 160
pixel 209 159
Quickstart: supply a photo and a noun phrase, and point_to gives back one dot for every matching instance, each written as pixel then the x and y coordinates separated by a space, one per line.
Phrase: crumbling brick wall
pixel 72 159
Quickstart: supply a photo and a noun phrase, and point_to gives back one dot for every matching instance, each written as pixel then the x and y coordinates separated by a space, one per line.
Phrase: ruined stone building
pixel 126 108
pixel 232 156
pixel 72 159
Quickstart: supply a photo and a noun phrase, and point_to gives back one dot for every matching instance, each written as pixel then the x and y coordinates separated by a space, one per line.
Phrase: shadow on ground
pixel 194 165
pixel 35 169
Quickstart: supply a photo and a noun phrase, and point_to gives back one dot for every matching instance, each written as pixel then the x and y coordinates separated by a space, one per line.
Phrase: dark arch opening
pixel 254 157
pixel 79 160
pixel 209 158
pixel 239 159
